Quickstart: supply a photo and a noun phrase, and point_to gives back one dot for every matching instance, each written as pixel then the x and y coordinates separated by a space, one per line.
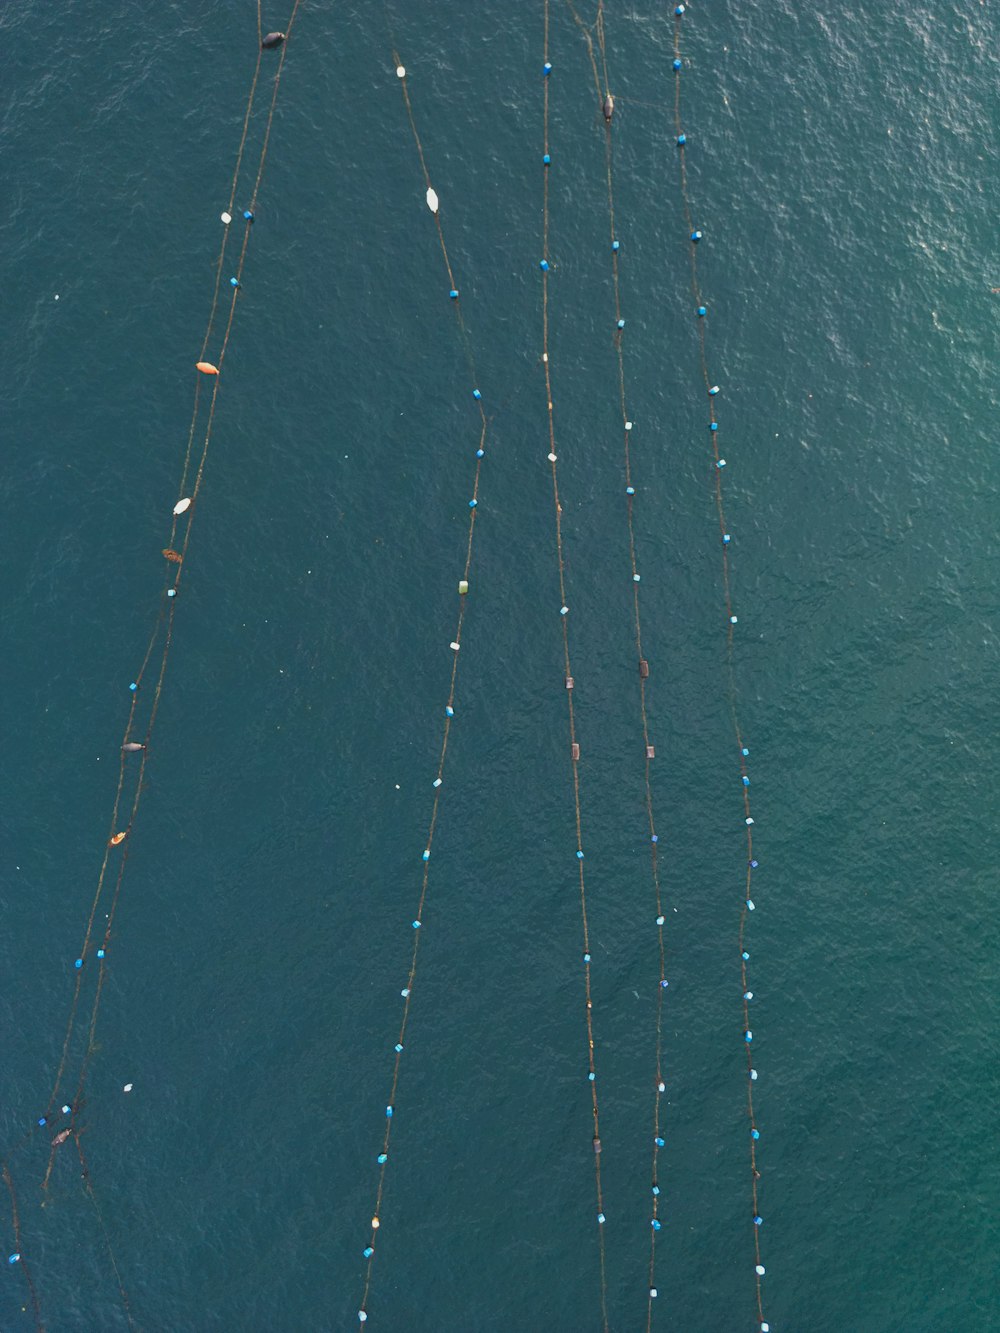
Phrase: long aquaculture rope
pixel 605 101
pixel 701 319
pixel 545 268
pixel 382 1160
pixel 163 626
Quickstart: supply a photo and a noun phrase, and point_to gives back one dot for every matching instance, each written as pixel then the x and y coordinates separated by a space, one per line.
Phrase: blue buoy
pixel 416 925
pixel 655 838
pixel 480 453
pixel 473 503
pixel 721 463
pixel 78 963
pixel 702 310
pixel 713 391
pixel 13 1258
pixel 476 394
pixel 388 1113
pixel 368 1251
pixel 726 539
pixel 247 215
pixel 547 68
pixel 748 995
pixel 579 856
pixel 133 687
pixel 453 294
pixel 66 1110
pixel 681 140
pixel 745 956
pixel 449 711
pixel 405 992
pixel 678 64
pixel 615 246
pixel 755 1134
pixel 660 920
pixel 547 160
pixel 753 865
pixel 696 236
pixel 600 1218
pixel 171 592
pixel 621 323
pixel 659 1142
pixel 746 781
pixel 656 1224
pixel 679 10
pixel 757 1220
pixel 656 1191
pixel 43 1120
pixel 383 1157
pixel 630 490
pixel 234 282
pixel 586 957
pixel 543 264
pixel 591 1076
pixel 427 854
pixel 398 1048
pixel 664 984
pixel 753 1075
pixel 100 953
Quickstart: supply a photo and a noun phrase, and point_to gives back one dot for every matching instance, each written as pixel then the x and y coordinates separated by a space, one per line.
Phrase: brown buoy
pixel 272 41
pixel 608 108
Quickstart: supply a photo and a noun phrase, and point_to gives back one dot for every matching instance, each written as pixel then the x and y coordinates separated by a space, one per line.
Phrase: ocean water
pixel 842 166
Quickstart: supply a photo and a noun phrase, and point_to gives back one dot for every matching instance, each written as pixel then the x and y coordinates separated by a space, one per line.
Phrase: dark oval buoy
pixel 272 41
pixel 608 108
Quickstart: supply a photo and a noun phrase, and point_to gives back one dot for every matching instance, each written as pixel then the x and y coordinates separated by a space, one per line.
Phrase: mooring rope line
pixel 164 625
pixel 16 1257
pixel 701 313
pixel 382 1160
pixel 605 101
pixel 545 267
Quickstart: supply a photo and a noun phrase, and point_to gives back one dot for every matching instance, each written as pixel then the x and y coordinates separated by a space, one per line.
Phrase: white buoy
pixel 227 218
pixel 181 506
pixel 432 201
pixel 127 1087
pixel 400 72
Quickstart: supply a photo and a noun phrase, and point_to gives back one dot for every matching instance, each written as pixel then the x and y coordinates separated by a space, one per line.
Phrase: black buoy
pixel 608 108
pixel 272 41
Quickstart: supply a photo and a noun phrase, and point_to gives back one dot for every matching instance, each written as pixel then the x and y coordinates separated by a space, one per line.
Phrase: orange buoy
pixel 174 557
pixel 119 837
pixel 206 367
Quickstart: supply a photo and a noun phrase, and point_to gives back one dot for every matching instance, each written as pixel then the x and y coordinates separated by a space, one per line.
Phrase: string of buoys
pixel 433 203
pixel 162 633
pixel 545 267
pixel 606 101
pixel 700 315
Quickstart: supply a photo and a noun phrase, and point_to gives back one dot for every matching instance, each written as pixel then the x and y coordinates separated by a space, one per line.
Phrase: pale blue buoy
pixel 591 1076
pixel 753 865
pixel 416 925
pixel 600 1218
pixel 368 1252
pixel 655 838
pixel 660 1143
pixel 678 64
pixel 713 391
pixel 679 10
pixel 745 956
pixel 449 711
pixel 547 160
pixel 630 490
pixel 746 780
pixel 427 854
pixel 621 323
pixel 702 310
pixel 713 425
pixel 721 463
pixel 579 856
pixel 755 1134
pixel 383 1157
pixel 388 1113
pixel 476 394
pixel 744 752
pixel 681 140
pixel 453 294
pixel 696 236
pixel 133 687
pixel 586 957
pixel 664 984
pixel 66 1110
pixel 543 264
pixel 480 453
pixel 615 246
pixel 78 963
pixel 13 1258
pixel 171 592
pixel 726 539
pixel 473 503
pixel 660 920
pixel 656 1191
pixel 234 282
pixel 398 1048
pixel 757 1220
pixel 656 1224
pixel 100 953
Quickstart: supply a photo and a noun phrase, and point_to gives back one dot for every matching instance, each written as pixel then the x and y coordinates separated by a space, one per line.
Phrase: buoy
pixel 400 71
pixel 463 587
pixel 132 747
pixel 127 1087
pixel 272 41
pixel 206 367
pixel 118 837
pixel 432 200
pixel 226 219
pixel 608 108
pixel 174 557
pixel 182 506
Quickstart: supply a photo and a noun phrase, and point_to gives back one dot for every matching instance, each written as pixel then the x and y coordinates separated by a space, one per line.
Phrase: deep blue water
pixel 842 165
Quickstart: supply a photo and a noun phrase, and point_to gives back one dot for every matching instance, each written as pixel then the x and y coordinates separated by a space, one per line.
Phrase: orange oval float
pixel 119 837
pixel 174 557
pixel 206 367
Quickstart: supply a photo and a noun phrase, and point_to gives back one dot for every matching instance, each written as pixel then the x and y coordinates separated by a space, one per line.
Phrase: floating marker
pixel 206 367
pixel 476 394
pixel 678 64
pixel 432 200
pixel 726 539
pixel 100 953
pixel 14 1258
pixel 133 687
pixel 368 1252
pixel 600 1218
pixel 755 1134
pixel 660 920
pixel 182 506
pixel 127 1087
pixel 546 159
pixel 759 1269
pixel 78 964
pixel 757 1221
pixel 543 264
pixel 702 311
pixel 272 41
pixel 171 592
pixel 383 1158
pixel 681 140
pixel 227 218
pixel 473 504
pixel 696 236
pixel 679 10
pixel 234 282
pixel 749 819
pixel 247 215
pixel 463 587
pixel 131 747
pixel 449 711
pixel 453 294
pixel 436 782
pixel 713 391
pixel 400 71
pixel 427 854
pixel 746 781
pixel 547 69
pixel 388 1116
pixel 615 246
pixel 621 323
pixel 748 1036
pixel 750 905
pixel 118 837
pixel 656 1224
pixel 454 645
pixel 608 108
pixel 405 992
pixel 66 1110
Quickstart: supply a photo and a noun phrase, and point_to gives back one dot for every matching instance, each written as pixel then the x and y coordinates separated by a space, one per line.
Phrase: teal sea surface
pixel 842 164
